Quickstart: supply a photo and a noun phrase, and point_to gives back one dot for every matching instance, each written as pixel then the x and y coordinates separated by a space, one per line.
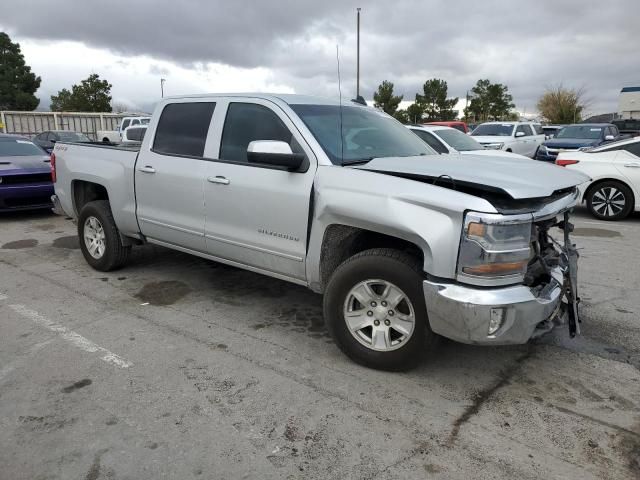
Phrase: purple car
pixel 25 175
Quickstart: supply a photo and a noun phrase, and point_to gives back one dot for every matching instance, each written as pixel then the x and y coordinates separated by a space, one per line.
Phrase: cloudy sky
pixel 290 46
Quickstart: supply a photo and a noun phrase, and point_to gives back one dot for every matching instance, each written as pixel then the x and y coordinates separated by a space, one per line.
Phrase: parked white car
pixel 614 190
pixel 517 137
pixel 450 140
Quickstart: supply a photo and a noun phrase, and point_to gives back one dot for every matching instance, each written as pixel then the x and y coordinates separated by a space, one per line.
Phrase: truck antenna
pixel 340 99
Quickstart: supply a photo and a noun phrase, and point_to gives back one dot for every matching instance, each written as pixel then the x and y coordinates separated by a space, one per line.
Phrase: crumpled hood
pixel 519 179
pixel 570 142
pixel 33 163
pixel 492 138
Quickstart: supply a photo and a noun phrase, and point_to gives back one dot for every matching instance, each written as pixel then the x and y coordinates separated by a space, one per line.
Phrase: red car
pixel 457 125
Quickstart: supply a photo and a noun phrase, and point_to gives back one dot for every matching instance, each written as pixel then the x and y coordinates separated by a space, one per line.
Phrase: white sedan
pixel 449 140
pixel 614 190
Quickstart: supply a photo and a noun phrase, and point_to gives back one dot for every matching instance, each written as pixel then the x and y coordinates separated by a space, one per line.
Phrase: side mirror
pixel 609 138
pixel 519 134
pixel 53 141
pixel 275 153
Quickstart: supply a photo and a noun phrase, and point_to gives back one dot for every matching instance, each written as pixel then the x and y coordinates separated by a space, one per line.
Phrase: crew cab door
pixel 525 145
pixel 257 215
pixel 170 174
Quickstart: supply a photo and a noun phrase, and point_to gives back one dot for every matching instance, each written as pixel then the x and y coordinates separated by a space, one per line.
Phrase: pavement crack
pixel 484 395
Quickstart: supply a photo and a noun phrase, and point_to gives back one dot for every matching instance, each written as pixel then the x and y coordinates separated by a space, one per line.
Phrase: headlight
pixel 494 146
pixel 494 249
pixel 542 149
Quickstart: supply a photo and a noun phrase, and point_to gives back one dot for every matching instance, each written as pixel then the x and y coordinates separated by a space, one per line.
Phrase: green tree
pixel 434 102
pixel 385 99
pixel 489 101
pixel 17 83
pixel 92 95
pixel 415 113
pixel 401 116
pixel 562 105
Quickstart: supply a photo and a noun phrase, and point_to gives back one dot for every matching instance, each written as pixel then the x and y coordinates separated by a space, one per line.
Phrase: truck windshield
pixel 17 147
pixel 494 130
pixel 366 133
pixel 580 131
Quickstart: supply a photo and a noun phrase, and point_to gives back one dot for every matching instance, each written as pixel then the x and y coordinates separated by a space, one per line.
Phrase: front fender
pixel 426 215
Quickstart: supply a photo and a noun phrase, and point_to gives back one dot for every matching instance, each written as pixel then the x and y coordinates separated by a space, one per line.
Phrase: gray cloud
pixel 526 45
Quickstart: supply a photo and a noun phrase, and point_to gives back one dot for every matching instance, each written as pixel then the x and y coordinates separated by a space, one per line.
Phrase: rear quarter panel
pixel 113 168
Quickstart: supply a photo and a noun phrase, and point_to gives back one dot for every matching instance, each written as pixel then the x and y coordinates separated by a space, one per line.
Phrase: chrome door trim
pixel 253 247
pixel 229 262
pixel 172 227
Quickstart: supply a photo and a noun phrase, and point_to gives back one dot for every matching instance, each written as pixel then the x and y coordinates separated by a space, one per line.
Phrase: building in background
pixel 629 103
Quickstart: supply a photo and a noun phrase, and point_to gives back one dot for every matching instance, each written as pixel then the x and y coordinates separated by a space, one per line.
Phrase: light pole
pixel 358 59
pixel 162 80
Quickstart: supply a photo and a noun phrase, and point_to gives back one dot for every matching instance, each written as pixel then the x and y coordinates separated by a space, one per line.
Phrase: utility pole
pixel 162 80
pixel 358 59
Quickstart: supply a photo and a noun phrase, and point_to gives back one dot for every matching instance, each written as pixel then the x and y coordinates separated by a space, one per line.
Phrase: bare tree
pixel 563 105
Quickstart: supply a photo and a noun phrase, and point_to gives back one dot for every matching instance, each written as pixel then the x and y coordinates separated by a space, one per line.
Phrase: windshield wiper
pixel 357 161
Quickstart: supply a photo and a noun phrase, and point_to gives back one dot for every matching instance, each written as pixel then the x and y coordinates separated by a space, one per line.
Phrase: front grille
pixel 26 178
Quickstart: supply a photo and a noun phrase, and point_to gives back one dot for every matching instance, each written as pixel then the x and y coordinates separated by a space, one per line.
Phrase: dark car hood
pixel 570 143
pixel 31 163
pixel 518 178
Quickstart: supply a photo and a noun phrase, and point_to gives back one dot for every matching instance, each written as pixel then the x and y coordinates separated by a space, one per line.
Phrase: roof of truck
pixel 290 98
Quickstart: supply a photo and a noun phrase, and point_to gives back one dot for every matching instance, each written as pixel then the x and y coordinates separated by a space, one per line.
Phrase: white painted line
pixel 72 337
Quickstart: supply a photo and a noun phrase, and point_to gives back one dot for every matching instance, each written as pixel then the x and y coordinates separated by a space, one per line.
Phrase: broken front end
pixel 516 277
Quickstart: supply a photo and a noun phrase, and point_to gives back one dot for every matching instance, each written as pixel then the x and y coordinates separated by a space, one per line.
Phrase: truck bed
pixel 109 165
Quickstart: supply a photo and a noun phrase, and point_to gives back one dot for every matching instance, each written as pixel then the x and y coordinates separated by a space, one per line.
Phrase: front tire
pixel 610 200
pixel 375 310
pixel 100 240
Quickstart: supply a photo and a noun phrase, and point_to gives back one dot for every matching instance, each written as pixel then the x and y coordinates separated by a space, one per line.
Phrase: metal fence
pixel 32 123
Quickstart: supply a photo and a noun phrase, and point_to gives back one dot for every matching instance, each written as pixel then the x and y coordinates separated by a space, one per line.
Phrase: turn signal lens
pixel 509 268
pixel 52 165
pixel 476 229
pixel 564 163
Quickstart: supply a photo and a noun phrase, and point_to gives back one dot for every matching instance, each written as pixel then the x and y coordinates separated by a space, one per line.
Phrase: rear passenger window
pixel 247 122
pixel 431 140
pixel 633 148
pixel 182 128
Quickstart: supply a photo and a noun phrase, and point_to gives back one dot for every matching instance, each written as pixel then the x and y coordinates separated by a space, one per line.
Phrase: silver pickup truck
pixel 404 244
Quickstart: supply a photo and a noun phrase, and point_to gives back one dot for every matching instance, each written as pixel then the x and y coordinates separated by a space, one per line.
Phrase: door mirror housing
pixel 609 138
pixel 519 134
pixel 275 153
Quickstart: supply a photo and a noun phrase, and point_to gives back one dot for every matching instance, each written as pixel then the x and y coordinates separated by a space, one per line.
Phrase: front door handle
pixel 632 165
pixel 147 169
pixel 219 179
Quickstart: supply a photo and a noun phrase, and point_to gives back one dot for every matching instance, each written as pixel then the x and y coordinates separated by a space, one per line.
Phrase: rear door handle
pixel 147 169
pixel 219 179
pixel 632 165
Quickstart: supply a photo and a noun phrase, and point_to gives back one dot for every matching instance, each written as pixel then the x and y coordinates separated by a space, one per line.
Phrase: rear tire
pixel 376 329
pixel 99 237
pixel 610 200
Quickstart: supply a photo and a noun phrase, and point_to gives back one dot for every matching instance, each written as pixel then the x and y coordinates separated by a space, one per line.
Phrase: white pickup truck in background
pixel 115 136
pixel 404 244
pixel 523 138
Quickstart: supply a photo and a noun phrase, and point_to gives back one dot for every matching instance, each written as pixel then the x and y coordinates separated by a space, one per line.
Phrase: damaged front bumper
pixel 464 313
pixel 512 314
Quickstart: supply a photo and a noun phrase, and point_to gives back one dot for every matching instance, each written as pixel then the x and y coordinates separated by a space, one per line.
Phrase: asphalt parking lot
pixel 177 367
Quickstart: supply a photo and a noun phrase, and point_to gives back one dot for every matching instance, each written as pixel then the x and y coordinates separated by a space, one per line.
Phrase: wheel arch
pixel 601 180
pixel 344 241
pixel 84 191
